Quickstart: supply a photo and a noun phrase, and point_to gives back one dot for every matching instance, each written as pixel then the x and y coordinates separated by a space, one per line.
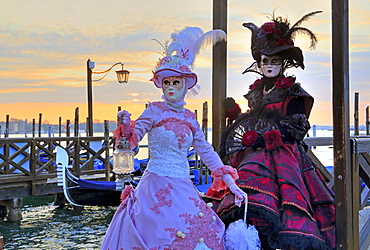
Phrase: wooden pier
pixel 27 166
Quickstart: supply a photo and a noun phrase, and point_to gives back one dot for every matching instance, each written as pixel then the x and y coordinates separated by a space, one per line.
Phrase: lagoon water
pixel 45 226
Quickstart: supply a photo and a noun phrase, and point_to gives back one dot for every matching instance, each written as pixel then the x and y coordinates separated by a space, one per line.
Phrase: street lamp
pixel 122 77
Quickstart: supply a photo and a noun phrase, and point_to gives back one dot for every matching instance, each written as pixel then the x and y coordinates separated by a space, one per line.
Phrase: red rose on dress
pixel 249 138
pixel 273 139
pixel 255 84
pixel 285 82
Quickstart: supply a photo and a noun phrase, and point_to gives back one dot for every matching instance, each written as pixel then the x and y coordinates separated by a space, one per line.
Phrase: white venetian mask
pixel 271 65
pixel 173 88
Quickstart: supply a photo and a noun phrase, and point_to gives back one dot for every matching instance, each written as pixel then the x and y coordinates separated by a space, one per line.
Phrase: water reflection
pixel 45 226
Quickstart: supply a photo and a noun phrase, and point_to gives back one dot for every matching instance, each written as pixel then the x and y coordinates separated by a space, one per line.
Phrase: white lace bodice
pixel 171 133
pixel 168 151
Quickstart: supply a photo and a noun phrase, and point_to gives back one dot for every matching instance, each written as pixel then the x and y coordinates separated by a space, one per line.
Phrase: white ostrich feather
pixel 174 46
pixel 210 38
pixel 192 39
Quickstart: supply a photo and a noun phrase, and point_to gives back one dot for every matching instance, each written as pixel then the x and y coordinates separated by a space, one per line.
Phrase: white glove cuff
pixel 228 180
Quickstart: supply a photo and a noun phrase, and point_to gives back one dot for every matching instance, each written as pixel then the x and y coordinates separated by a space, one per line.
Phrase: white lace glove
pixel 239 194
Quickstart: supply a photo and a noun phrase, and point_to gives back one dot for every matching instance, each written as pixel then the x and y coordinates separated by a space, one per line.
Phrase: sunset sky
pixel 44 46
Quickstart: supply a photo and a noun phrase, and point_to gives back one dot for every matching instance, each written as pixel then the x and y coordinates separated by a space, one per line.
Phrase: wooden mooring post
pixel 33 127
pixel 367 122
pixel 345 178
pixel 60 126
pixel 205 132
pixel 76 123
pixel 6 132
pixel 40 124
pixel 68 128
pixel 14 208
pixel 356 115
pixel 219 73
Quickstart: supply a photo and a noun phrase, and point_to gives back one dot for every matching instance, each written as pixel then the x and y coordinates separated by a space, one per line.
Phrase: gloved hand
pixel 295 126
pixel 123 119
pixel 239 194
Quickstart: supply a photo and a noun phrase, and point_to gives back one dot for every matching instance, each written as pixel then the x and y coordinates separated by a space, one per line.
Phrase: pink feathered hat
pixel 181 52
pixel 174 65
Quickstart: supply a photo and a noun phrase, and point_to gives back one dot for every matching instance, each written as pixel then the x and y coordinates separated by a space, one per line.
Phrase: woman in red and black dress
pixel 289 201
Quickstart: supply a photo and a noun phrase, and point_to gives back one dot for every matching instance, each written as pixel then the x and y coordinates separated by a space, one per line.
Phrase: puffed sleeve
pixel 205 150
pixel 137 128
pixel 144 123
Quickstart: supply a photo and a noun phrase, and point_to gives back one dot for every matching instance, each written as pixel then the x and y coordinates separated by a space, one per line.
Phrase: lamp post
pixel 122 77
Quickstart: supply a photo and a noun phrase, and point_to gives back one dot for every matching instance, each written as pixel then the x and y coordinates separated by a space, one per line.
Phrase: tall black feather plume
pixel 305 18
pixel 296 29
pixel 305 31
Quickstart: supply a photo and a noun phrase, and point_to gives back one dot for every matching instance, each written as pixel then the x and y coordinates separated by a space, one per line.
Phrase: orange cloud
pixel 24 90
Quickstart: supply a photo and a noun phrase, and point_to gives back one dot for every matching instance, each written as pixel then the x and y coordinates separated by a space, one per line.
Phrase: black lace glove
pixel 294 127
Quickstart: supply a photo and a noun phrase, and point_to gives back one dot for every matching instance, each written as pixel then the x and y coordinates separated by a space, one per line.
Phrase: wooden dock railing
pixel 27 165
pixel 360 183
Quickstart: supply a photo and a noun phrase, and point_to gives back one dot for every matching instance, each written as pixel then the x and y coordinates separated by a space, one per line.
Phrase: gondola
pixel 80 192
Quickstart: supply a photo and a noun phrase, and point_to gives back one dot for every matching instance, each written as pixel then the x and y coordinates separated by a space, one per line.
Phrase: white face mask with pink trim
pixel 173 88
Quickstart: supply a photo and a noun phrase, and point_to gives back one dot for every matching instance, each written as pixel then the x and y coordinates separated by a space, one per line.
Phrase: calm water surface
pixel 45 226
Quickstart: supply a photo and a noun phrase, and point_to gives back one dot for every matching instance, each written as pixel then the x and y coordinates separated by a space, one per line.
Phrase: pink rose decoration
pixel 184 68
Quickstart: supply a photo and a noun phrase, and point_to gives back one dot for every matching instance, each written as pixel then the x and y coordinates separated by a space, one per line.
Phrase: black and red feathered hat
pixel 277 38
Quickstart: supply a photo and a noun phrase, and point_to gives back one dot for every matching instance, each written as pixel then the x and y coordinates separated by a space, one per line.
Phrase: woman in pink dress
pixel 165 211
